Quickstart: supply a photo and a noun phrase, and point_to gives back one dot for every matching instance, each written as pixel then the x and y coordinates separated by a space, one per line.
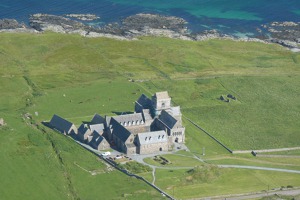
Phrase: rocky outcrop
pixel 150 21
pixel 284 32
pixel 10 24
pixel 44 22
pixel 83 17
pixel 129 28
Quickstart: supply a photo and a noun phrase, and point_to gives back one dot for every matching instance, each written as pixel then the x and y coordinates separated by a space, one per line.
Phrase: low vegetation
pixel 203 174
pixel 76 77
pixel 135 167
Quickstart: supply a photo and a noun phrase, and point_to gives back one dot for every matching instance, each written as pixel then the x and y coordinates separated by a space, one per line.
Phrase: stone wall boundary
pixel 266 150
pixel 210 135
pixel 128 173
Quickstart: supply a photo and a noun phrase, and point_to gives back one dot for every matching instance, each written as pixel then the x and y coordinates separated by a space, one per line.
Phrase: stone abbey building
pixel 154 126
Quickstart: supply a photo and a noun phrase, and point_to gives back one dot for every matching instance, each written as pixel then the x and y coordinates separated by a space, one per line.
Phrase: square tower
pixel 161 101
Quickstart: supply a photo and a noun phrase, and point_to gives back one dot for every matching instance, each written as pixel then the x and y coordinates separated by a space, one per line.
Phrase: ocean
pixel 235 17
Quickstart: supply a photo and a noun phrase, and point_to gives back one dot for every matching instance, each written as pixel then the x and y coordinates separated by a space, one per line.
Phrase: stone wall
pixel 152 148
pixel 103 145
pixel 178 135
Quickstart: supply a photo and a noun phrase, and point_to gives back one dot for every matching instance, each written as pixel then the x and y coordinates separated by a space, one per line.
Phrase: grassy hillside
pixel 76 77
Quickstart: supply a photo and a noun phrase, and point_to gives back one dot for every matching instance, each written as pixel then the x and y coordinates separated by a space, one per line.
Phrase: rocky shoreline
pixel 286 34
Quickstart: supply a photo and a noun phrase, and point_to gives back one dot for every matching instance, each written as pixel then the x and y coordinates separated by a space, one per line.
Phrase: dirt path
pixel 260 168
pixel 292 192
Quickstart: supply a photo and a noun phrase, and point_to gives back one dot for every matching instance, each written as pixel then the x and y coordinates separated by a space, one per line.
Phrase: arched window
pixel 145 138
pixel 163 136
pixel 149 138
pixel 159 137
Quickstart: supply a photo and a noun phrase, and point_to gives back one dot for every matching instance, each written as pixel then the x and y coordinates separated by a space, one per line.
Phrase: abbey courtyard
pixel 154 126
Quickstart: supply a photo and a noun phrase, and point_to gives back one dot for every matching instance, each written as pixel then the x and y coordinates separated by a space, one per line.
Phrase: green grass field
pixel 76 77
pixel 230 181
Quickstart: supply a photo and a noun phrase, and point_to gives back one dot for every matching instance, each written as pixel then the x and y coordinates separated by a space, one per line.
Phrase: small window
pixel 150 138
pixel 159 137
pixel 163 136
pixel 145 138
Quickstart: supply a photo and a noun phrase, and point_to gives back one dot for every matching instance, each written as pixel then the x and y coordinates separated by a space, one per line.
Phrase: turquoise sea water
pixel 228 16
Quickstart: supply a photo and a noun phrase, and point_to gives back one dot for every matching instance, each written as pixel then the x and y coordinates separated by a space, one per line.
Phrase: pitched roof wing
pixel 119 131
pixel 152 137
pixel 144 101
pixel 61 124
pixel 97 119
pixel 129 117
pixel 167 119
pixel 83 128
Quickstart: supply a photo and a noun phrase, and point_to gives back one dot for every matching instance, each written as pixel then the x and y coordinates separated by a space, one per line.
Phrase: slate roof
pixel 97 127
pixel 152 137
pixel 162 95
pixel 119 131
pixel 129 118
pixel 144 101
pixel 61 124
pixel 167 119
pixel 97 139
pixel 97 119
pixel 83 128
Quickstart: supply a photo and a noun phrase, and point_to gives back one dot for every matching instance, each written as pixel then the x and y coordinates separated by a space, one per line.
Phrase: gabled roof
pixel 162 95
pixel 119 131
pixel 152 137
pixel 97 139
pixel 61 124
pixel 83 128
pixel 97 119
pixel 144 101
pixel 167 119
pixel 97 127
pixel 129 117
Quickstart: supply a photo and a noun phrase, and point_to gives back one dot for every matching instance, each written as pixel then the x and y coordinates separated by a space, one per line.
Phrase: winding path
pixel 260 168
